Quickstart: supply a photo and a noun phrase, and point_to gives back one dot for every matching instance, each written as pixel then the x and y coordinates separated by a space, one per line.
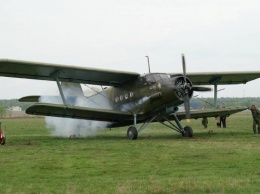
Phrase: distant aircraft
pixel 131 98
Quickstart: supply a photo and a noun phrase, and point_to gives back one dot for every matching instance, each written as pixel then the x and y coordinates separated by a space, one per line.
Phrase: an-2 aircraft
pixel 130 99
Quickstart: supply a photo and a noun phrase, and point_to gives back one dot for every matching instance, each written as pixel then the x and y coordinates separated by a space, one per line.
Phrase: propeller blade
pixel 201 89
pixel 184 69
pixel 187 105
pixel 186 98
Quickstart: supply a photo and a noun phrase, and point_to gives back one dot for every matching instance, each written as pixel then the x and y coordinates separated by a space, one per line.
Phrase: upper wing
pixel 195 114
pixel 47 71
pixel 221 78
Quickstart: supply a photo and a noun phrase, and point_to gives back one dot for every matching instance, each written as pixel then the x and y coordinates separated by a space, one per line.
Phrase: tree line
pixel 198 103
pixel 7 104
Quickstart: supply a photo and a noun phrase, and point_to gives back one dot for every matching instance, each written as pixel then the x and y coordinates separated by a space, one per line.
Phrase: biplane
pixel 126 98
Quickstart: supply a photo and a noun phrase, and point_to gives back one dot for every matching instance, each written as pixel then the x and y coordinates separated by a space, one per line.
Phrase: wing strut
pixel 60 89
pixel 215 83
pixel 215 93
pixel 177 128
pixel 146 123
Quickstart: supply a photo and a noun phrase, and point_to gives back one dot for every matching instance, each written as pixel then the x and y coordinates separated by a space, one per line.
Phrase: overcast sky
pixel 215 35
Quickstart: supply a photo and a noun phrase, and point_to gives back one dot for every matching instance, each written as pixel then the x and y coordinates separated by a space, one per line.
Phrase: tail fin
pixel 72 89
pixel 72 92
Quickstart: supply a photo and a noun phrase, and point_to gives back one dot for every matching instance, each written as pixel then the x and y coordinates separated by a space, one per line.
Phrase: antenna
pixel 148 63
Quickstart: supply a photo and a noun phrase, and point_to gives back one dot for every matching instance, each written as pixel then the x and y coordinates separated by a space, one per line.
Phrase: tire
pixel 132 133
pixel 188 132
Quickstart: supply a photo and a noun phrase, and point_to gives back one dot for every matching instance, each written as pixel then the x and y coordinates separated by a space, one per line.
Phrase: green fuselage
pixel 145 95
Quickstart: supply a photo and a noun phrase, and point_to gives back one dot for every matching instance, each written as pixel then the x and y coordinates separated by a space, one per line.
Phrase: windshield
pixel 151 78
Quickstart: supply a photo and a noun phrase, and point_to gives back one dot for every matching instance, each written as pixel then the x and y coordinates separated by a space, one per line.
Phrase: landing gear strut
pixel 132 132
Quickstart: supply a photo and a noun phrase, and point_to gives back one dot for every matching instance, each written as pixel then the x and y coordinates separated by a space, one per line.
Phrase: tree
pixel 2 110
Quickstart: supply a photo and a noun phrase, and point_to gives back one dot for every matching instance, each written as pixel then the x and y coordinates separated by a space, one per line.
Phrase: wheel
pixel 188 132
pixel 132 133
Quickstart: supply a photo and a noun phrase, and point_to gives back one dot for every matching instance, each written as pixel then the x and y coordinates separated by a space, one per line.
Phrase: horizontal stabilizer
pixel 49 99
pixel 30 99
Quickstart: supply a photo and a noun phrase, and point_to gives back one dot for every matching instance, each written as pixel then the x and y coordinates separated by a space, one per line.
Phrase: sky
pixel 215 35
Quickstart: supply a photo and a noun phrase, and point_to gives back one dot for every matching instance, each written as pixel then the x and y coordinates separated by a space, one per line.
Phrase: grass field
pixel 160 161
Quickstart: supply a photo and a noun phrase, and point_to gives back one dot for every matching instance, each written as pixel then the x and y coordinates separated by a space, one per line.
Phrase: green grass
pixel 160 161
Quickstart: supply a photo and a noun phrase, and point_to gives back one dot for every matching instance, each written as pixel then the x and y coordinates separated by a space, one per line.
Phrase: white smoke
pixel 66 127
pixel 134 106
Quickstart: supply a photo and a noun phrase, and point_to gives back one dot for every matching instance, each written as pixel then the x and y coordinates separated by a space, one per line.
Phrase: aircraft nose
pixel 182 87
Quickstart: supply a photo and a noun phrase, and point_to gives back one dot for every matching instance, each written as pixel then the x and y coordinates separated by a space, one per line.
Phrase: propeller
pixel 184 69
pixel 186 87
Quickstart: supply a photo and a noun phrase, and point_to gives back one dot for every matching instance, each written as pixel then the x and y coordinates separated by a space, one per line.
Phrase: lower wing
pixel 69 111
pixel 119 118
pixel 195 114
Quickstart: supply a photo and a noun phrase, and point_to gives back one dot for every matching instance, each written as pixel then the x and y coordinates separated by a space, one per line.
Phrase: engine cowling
pixel 181 87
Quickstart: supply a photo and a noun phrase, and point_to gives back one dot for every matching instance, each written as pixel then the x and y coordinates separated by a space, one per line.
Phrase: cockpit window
pixel 164 76
pixel 150 79
pixel 157 77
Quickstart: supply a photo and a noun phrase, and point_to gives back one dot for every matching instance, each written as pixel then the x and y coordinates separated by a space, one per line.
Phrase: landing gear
pixel 132 133
pixel 188 132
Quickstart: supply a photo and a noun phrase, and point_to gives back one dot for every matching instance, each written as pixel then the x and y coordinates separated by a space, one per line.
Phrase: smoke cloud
pixel 134 106
pixel 66 127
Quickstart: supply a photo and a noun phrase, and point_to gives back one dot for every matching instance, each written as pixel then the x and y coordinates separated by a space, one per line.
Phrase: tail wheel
pixel 132 133
pixel 188 132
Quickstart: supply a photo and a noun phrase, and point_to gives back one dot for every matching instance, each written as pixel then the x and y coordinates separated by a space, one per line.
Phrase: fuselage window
pixel 116 99
pixel 121 97
pixel 126 95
